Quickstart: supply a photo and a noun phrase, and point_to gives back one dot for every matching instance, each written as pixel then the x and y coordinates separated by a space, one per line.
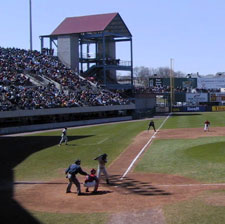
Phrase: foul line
pixel 188 185
pixel 100 142
pixel 142 150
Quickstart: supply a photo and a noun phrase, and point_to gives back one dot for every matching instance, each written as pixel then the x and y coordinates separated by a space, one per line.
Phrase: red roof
pixel 84 24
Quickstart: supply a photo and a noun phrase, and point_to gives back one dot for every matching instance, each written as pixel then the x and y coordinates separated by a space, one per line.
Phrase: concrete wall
pixel 30 128
pixel 145 102
pixel 68 51
pixel 40 112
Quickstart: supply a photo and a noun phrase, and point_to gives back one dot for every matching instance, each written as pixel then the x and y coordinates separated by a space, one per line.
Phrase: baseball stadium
pixel 174 174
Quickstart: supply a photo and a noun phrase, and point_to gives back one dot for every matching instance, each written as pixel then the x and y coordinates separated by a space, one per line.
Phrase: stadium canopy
pixel 111 23
pixel 87 44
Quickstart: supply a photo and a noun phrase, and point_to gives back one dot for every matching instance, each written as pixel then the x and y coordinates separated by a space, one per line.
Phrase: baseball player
pixel 71 173
pixel 91 181
pixel 102 160
pixel 63 137
pixel 151 124
pixel 206 125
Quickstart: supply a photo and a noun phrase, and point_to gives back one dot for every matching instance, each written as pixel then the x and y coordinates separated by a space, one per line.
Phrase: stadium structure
pixel 72 88
pixel 188 94
pixel 87 44
pixel 73 81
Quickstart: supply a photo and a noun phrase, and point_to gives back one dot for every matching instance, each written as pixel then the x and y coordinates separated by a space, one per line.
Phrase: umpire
pixel 151 124
pixel 71 173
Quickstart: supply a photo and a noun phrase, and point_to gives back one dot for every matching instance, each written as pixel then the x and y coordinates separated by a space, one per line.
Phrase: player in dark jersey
pixel 151 124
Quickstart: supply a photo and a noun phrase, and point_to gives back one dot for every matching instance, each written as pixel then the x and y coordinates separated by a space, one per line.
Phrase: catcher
pixel 91 181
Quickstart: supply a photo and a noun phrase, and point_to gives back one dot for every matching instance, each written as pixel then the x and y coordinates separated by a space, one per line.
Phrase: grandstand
pixel 31 81
pixel 39 90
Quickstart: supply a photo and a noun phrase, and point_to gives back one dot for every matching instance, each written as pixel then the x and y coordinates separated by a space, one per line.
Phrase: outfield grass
pixel 84 143
pixel 169 156
pixel 195 120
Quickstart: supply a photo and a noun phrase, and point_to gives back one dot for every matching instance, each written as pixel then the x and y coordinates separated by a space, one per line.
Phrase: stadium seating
pixel 64 88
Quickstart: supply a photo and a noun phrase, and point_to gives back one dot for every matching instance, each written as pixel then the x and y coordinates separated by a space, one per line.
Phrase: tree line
pixel 142 74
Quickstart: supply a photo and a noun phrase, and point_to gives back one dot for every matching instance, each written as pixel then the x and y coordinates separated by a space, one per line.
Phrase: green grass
pixel 195 212
pixel 58 218
pixel 184 157
pixel 213 152
pixel 195 120
pixel 201 159
pixel 84 143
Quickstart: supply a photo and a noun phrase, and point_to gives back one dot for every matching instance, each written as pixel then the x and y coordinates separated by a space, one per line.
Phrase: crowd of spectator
pixel 18 92
pixel 166 89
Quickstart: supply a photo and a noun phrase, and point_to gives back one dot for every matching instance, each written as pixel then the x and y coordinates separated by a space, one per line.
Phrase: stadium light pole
pixel 171 84
pixel 30 12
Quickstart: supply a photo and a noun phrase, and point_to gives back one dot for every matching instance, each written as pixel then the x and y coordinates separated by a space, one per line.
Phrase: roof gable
pixel 84 24
pixel 118 26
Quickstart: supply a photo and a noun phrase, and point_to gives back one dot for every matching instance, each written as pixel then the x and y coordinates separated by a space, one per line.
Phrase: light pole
pixel 171 84
pixel 31 48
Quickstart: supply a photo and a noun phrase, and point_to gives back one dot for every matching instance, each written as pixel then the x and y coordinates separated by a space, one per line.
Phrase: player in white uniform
pixel 102 160
pixel 206 125
pixel 63 137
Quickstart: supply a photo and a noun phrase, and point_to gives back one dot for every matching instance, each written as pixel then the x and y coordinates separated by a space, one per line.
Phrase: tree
pixel 142 73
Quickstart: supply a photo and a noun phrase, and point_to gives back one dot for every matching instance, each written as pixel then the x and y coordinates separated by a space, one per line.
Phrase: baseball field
pixel 174 175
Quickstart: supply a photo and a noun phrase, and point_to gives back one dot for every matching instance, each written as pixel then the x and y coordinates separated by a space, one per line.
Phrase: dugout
pixel 33 120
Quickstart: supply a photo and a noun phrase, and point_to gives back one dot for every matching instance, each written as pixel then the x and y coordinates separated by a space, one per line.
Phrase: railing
pixel 125 63
pixel 108 61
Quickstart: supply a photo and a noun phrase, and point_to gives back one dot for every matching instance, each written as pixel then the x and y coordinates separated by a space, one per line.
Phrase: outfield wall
pixel 30 128
pixel 72 110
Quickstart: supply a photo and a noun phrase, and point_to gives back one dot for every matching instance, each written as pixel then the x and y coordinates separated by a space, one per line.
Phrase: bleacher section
pixel 30 80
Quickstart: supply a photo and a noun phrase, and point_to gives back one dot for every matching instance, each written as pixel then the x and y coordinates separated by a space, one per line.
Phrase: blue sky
pixel 192 32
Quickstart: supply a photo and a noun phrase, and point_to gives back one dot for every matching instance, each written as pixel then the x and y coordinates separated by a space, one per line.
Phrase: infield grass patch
pixel 191 158
pixel 213 152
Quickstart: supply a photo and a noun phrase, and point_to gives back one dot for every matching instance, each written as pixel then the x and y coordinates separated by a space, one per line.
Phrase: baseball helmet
pixel 78 161
pixel 93 171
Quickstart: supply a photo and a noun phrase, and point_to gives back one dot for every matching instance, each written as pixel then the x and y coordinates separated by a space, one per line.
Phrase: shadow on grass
pixel 13 151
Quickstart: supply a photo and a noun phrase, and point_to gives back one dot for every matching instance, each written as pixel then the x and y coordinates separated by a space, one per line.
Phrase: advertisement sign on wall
pixel 217 97
pixel 218 108
pixel 189 109
pixel 195 98
pixel 210 83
